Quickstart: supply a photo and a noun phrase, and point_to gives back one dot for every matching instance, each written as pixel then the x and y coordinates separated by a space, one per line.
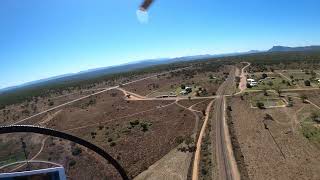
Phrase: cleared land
pixel 274 147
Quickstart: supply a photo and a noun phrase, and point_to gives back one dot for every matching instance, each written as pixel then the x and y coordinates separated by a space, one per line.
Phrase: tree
pixel 237 79
pixel 313 75
pixel 270 83
pixel 76 151
pixel 183 86
pixel 264 75
pixel 307 83
pixel 260 105
pixel 315 117
pixel 203 112
pixel 278 90
pixel 268 117
pixel 303 98
pixel 265 92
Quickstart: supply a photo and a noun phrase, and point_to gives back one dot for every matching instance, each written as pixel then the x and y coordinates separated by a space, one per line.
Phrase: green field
pixel 272 84
pixel 271 100
pixel 299 77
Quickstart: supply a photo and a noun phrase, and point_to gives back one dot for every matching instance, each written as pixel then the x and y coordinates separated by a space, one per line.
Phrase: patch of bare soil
pixel 98 109
pixel 313 96
pixel 187 103
pixel 172 81
pixel 136 133
pixel 173 166
pixel 270 147
pixel 236 146
pixel 202 105
pixel 16 112
pixel 163 82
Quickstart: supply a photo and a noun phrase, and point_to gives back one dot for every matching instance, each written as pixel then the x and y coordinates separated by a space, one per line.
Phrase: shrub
pixel 315 117
pixel 109 139
pixel 179 139
pixel 203 112
pixel 134 123
pixel 144 127
pixel 307 83
pixel 72 162
pixel 303 98
pixel 268 117
pixel 264 75
pixel 260 105
pixel 188 140
pixel 237 79
pixel 270 83
pixel 112 144
pixel 76 151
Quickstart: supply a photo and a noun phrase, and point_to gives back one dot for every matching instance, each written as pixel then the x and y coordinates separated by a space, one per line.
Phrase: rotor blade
pixel 146 4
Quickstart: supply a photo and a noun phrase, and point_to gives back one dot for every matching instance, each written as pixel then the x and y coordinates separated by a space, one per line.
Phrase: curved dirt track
pixel 243 80
pixel 195 170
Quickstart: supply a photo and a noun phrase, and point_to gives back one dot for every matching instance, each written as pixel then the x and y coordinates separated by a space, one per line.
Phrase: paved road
pixel 227 168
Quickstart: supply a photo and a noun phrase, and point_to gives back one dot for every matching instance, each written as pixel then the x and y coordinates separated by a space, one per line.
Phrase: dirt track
pixel 243 80
pixel 195 171
pixel 227 167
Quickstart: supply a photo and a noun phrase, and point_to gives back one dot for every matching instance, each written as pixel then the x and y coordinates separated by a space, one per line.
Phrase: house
pixel 188 89
pixel 183 92
pixel 252 82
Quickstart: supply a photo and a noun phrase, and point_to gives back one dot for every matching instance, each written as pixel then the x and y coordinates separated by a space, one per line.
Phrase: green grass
pixel 311 132
pixel 277 82
pixel 270 100
pixel 300 77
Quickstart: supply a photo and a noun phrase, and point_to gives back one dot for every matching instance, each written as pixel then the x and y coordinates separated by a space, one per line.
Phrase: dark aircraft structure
pixel 146 5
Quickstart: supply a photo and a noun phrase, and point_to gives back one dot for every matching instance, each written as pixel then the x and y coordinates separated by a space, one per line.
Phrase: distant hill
pixel 290 49
pixel 93 73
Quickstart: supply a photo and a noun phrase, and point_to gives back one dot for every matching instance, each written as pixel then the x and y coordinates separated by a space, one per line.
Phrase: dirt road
pixel 227 166
pixel 243 80
pixel 195 171
pixel 84 97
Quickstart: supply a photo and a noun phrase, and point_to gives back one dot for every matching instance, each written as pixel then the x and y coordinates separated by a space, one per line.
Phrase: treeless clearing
pixel 277 152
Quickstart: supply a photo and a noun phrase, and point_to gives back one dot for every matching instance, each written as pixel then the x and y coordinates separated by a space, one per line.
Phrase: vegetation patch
pixel 310 128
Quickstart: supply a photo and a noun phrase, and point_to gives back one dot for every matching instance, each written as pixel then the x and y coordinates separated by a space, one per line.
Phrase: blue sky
pixel 40 39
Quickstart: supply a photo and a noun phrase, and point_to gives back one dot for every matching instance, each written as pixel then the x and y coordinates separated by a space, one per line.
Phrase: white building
pixel 252 82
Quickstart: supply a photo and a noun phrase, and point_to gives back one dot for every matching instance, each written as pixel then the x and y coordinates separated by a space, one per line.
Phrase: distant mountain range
pixel 91 73
pixel 290 49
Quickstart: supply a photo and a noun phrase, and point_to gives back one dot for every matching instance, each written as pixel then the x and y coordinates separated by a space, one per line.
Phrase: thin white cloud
pixel 142 16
